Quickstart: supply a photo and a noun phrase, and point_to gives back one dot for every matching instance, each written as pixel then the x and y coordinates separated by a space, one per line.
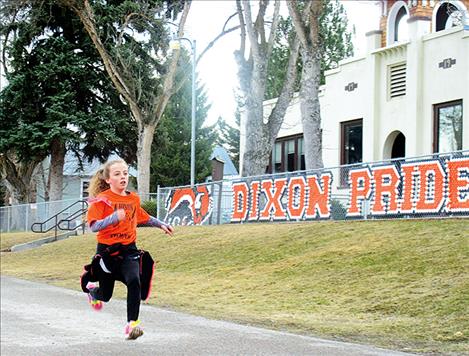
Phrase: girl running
pixel 114 214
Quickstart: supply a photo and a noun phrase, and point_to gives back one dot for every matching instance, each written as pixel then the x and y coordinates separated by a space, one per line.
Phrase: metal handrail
pixel 55 217
pixel 70 219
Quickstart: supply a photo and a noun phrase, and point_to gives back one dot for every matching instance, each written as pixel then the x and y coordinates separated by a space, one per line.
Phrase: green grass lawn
pixel 7 240
pixel 396 284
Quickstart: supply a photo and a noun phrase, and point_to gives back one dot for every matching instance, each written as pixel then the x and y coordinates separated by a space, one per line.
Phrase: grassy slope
pixel 397 284
pixel 7 240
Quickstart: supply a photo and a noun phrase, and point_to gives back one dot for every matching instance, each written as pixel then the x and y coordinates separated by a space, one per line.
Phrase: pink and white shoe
pixel 133 330
pixel 94 303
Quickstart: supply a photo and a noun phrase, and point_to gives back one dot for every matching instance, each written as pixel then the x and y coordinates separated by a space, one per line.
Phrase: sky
pixel 217 69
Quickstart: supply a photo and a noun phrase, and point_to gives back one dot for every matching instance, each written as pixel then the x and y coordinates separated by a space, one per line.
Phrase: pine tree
pixel 132 38
pixel 229 137
pixel 57 97
pixel 171 148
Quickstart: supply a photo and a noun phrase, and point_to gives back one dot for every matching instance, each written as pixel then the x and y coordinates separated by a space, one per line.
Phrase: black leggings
pixel 129 274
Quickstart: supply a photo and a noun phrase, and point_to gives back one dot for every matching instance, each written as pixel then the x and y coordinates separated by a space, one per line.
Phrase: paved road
pixel 38 319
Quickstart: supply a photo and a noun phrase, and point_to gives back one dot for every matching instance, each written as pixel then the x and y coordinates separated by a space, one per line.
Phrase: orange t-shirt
pixel 124 231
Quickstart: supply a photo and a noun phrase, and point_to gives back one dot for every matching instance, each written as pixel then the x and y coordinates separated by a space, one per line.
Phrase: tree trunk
pixel 127 87
pixel 19 194
pixel 257 144
pixel 18 176
pixel 310 110
pixel 41 177
pixel 257 149
pixel 306 24
pixel 252 73
pixel 57 160
pixel 145 138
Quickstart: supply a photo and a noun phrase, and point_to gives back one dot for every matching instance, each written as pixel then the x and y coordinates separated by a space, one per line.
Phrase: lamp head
pixel 175 44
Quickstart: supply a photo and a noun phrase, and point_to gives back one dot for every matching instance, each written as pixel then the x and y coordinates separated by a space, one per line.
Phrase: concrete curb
pixel 40 242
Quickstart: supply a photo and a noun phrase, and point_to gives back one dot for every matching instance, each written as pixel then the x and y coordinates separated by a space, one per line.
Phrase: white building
pixel 408 96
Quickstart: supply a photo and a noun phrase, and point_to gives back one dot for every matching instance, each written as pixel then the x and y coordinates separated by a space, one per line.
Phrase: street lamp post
pixel 193 48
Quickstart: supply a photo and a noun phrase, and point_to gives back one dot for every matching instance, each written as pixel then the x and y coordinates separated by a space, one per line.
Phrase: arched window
pixel 394 146
pixel 448 14
pixel 401 28
pixel 397 27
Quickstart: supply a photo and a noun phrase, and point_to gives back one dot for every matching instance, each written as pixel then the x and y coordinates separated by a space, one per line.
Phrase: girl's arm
pixel 158 223
pixel 115 217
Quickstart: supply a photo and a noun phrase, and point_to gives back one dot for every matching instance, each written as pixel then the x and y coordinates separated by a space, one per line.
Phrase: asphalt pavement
pixel 39 319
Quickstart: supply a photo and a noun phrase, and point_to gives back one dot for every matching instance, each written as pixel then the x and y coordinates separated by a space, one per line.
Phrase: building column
pixel 418 27
pixel 372 117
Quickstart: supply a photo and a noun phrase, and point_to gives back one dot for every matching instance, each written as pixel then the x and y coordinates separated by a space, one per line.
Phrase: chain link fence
pixel 428 186
pixel 18 218
pixel 420 187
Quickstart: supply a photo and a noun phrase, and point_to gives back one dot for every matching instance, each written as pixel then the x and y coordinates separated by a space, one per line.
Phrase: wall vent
pixel 397 79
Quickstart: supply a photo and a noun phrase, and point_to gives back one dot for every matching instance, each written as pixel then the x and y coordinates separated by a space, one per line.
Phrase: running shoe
pixel 133 330
pixel 94 303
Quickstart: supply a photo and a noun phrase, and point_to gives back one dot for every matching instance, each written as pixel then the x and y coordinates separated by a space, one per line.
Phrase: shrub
pixel 338 211
pixel 150 207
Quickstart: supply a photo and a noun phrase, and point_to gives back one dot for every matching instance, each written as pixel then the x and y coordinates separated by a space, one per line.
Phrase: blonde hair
pixel 98 181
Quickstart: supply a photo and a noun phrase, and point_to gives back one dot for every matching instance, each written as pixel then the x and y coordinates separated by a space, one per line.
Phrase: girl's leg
pixel 105 289
pixel 130 270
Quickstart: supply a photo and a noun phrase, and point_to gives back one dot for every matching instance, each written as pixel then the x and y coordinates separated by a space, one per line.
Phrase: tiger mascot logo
pixel 188 206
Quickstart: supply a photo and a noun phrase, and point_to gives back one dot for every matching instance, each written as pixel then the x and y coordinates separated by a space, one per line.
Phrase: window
pixel 447 16
pixel 287 155
pixel 301 155
pixel 290 155
pixel 447 126
pixel 84 188
pixel 397 28
pixel 277 157
pixel 401 29
pixel 352 141
pixel 351 146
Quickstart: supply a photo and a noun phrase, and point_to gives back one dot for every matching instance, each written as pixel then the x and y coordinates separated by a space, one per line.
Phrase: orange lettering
pixel 253 209
pixel 296 197
pixel 273 191
pixel 408 172
pixel 457 183
pixel 319 199
pixel 360 188
pixel 382 189
pixel 431 179
pixel 240 200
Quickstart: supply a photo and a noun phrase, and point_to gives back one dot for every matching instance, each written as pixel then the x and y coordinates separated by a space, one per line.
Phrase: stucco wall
pixel 442 85
pixel 412 114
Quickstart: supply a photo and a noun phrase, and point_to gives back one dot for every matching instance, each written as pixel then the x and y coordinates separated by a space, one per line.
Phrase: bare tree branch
pixel 251 30
pixel 212 43
pixel 259 24
pixel 283 100
pixel 169 80
pixel 301 31
pixel 124 25
pixel 242 47
pixel 86 16
pixel 314 12
pixel 228 20
pixel 273 29
pixel 307 29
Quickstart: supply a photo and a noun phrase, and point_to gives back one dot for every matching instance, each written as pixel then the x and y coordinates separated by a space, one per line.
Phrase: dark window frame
pixel 436 120
pixel 401 13
pixel 344 171
pixel 282 141
pixel 343 126
pixel 442 15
